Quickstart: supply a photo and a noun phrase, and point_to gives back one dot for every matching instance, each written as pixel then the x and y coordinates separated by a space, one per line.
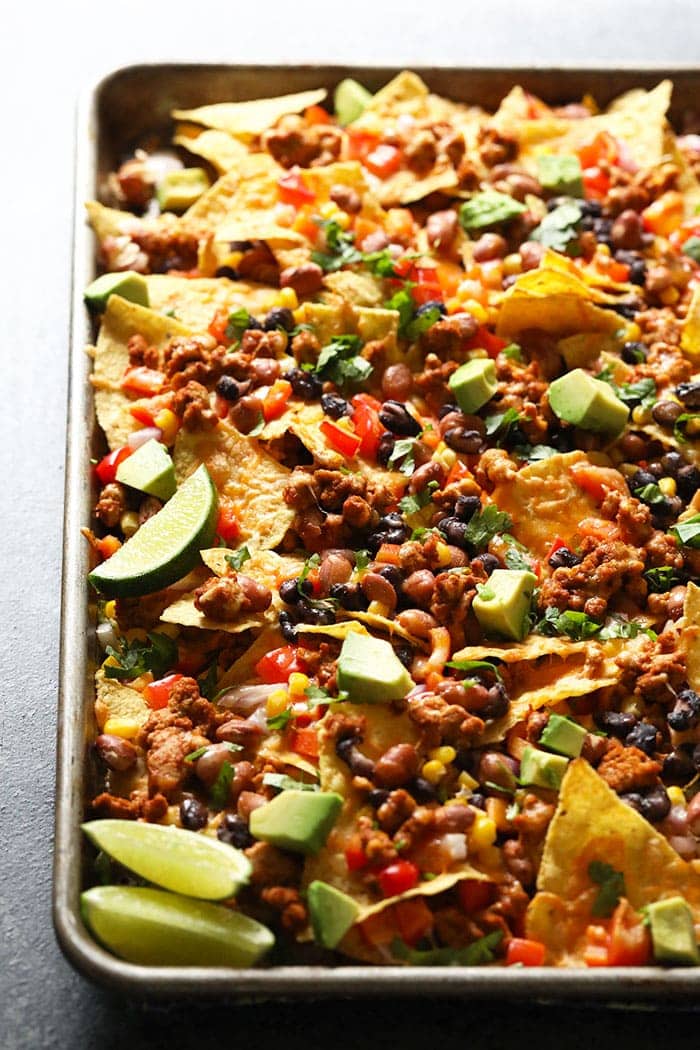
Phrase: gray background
pixel 47 55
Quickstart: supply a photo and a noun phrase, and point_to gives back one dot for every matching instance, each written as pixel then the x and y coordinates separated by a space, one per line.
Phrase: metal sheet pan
pixel 124 108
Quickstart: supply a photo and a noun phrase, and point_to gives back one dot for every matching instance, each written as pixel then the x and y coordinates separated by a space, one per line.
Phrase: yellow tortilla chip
pixel 222 150
pixel 245 475
pixel 690 337
pixel 110 222
pixel 116 700
pixel 404 187
pixel 690 634
pixel 194 301
pixel 386 626
pixel 245 120
pixel 303 419
pixel 185 613
pixel 334 630
pixel 121 320
pixel 330 321
pixel 264 566
pixel 358 289
pixel 406 93
pixel 555 302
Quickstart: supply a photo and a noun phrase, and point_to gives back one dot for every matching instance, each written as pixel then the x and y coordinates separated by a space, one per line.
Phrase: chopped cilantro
pixel 488 209
pixel 341 361
pixel 515 560
pixel 238 558
pixel 402 455
pixel 311 563
pixel 422 322
pixel 679 427
pixel 207 681
pixel 688 532
pixel 280 721
pixel 513 352
pixel 642 393
pixel 362 560
pixel 220 787
pixel 619 627
pixel 485 524
pixel 136 657
pixel 475 665
pixel 649 494
pixel 559 229
pixel 576 625
pixel 238 321
pixel 478 953
pixel 380 263
pixel 402 301
pixel 411 504
pixel 661 579
pixel 691 248
pixel 340 247
pixel 194 755
pixel 612 887
pixel 534 453
pixel 284 783
pixel 501 423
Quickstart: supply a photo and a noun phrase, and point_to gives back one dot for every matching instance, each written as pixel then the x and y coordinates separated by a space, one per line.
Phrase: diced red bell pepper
pixel 398 877
pixel 142 381
pixel 630 942
pixel 485 340
pixel 276 400
pixel 278 664
pixel 317 115
pixel 602 147
pixel 355 856
pixel 474 894
pixel 596 183
pixel 340 439
pixel 556 546
pixel 415 920
pixel 143 414
pixel 360 143
pixel 293 190
pixel 156 694
pixel 305 742
pixel 526 952
pixel 218 324
pixel 383 160
pixel 228 526
pixel 106 469
pixel 365 420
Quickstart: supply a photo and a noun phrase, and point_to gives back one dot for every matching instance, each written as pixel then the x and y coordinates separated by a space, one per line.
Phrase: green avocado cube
pixel 563 735
pixel 149 469
pixel 179 189
pixel 502 605
pixel 673 932
pixel 350 100
pixel 299 821
pixel 332 913
pixel 588 403
pixel 560 174
pixel 474 383
pixel 541 769
pixel 369 670
pixel 128 284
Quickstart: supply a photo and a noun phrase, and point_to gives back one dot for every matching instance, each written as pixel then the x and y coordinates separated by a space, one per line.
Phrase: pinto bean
pixel 397 382
pixel 419 588
pixel 246 413
pixel 209 765
pixel 416 622
pixel 531 253
pixel 258 595
pixel 627 230
pixel 334 568
pixel 378 589
pixel 265 370
pixel 248 801
pixel 498 769
pixel 441 228
pixel 346 198
pixel 423 475
pixel 693 815
pixel 115 752
pixel 396 766
pixel 489 246
pixel 305 279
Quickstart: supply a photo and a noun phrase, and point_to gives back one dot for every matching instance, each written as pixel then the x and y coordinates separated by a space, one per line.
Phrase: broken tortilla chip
pixel 222 150
pixel 195 301
pixel 116 700
pixel 246 120
pixel 555 302
pixel 329 321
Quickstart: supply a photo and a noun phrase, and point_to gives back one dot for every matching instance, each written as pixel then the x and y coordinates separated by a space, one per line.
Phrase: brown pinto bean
pixel 453 692
pixel 676 601
pixel 239 731
pixel 305 279
pixel 117 753
pixel 520 184
pixel 458 558
pixel 441 228
pixel 497 769
pixel 419 588
pixel 258 595
pixel 594 747
pixel 377 589
pixel 423 475
pixel 454 818
pixel 489 246
pixel 396 766
pixel 374 242
pixel 209 765
pixel 397 382
pixel 346 198
pixel 633 447
pixel 248 801
pixel 658 279
pixel 416 622
pixel 665 413
pixel 627 230
pixel 265 370
pixel 531 253
pixel 334 568
pixel 246 413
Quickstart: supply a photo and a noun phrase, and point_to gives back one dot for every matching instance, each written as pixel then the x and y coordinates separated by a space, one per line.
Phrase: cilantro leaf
pixel 136 657
pixel 238 321
pixel 501 423
pixel 220 787
pixel 341 361
pixel 513 352
pixel 284 783
pixel 612 887
pixel 680 425
pixel 649 494
pixel 688 532
pixel 411 504
pixel 619 627
pixel 559 228
pixel 514 560
pixel 576 625
pixel 311 563
pixel 340 247
pixel 402 453
pixel 402 301
pixel 534 453
pixel 380 263
pixel 194 755
pixel 661 579
pixel 475 665
pixel 238 558
pixel 207 681
pixel 362 560
pixel 488 209
pixel 477 953
pixel 280 721
pixel 485 524
pixel 422 322
pixel 691 248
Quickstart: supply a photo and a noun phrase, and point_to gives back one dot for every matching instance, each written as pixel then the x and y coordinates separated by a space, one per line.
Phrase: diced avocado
pixel 587 403
pixel 563 735
pixel 560 173
pixel 350 101
pixel 128 284
pixel 332 913
pixel 502 605
pixel 474 383
pixel 149 469
pixel 179 189
pixel 673 932
pixel 297 820
pixel 369 670
pixel 541 769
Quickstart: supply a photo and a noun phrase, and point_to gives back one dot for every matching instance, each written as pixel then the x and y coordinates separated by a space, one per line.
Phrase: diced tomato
pixel 106 469
pixel 601 148
pixel 340 439
pixel 222 407
pixel 449 276
pixel 306 223
pixel 293 189
pixel 107 546
pixel 527 953
pixel 457 472
pixel 278 664
pixel 630 943
pixel 276 399
pixel 665 214
pixel 157 694
pixel 597 944
pixel 355 856
pixel 360 143
pixel 617 271
pixel 305 742
pixel 598 529
pixel 228 526
pixel 426 293
pixel 383 160
pixel 142 381
pixel 363 228
pixel 596 183
pixel 365 420
pixel 414 919
pixel 317 115
pixel 218 324
pixel 143 413
pixel 474 894
pixel 597 481
pixel 398 877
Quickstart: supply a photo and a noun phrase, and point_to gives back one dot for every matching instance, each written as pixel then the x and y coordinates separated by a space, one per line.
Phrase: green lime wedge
pixel 166 547
pixel 154 928
pixel 182 861
pixel 350 100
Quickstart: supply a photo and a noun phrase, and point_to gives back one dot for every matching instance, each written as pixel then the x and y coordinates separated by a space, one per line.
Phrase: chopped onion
pixel 686 845
pixel 455 845
pixel 140 437
pixel 259 719
pixel 417 691
pixel 245 699
pixel 106 635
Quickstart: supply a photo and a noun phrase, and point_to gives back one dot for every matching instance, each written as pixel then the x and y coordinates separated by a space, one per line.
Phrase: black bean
pixel 432 304
pixel 689 394
pixel 316 612
pixel 446 409
pixel 377 797
pixel 627 310
pixel 385 448
pixel 696 758
pixel 422 790
pixel 678 766
pixel 396 418
pixel 591 209
pixel 632 799
pixel 231 390
pixel 228 271
pixel 498 702
pixel 686 711
pixel 616 723
pixel 289 592
pixel 564 558
pixel 462 440
pixel 279 317
pixel 655 805
pixel 466 507
pixel 233 830
pixel 305 385
pixel 349 596
pixel 346 749
pixel 404 652
pixel 688 479
pixel 489 562
pixel 398 536
pixel 454 530
pixel 665 413
pixel 672 463
pixel 393 574
pixel 665 510
pixel 193 814
pixel 392 521
pixel 640 479
pixel 334 406
pixel 288 626
pixel 478 800
pixel 634 353
pixel 642 736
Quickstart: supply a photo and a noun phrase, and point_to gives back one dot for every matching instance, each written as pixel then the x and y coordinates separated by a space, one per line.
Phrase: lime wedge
pixel 154 928
pixel 350 100
pixel 182 861
pixel 166 547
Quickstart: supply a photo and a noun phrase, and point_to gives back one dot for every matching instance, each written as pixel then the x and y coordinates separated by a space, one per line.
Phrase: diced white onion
pixel 455 845
pixel 106 635
pixel 245 699
pixel 140 437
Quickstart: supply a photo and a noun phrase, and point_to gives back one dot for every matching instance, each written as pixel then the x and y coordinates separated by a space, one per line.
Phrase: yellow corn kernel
pixel 288 298
pixel 465 781
pixel 433 771
pixel 111 609
pixel 329 210
pixel 669 296
pixel 232 259
pixel 496 810
pixel 602 249
pixel 443 754
pixel 124 727
pixel 483 831
pixel 667 486
pixel 453 305
pixel 641 415
pixel 129 522
pixel 512 264
pixel 276 703
pixel 444 455
pixel 443 553
pixel 676 795
pixel 692 427
pixel 168 422
pixel 378 609
pixel 633 332
pixel 342 218
pixel 476 310
pixel 298 682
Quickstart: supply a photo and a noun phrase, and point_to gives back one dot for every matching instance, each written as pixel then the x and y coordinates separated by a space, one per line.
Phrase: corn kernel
pixel 276 703
pixel 129 522
pixel 465 781
pixel 443 553
pixel 512 264
pixel 476 310
pixel 676 795
pixel 483 831
pixel 298 682
pixel 111 609
pixel 124 727
pixel 232 259
pixel 433 771
pixel 342 218
pixel 692 427
pixel 496 810
pixel 329 210
pixel 641 415
pixel 288 298
pixel 667 486
pixel 378 609
pixel 602 249
pixel 633 332
pixel 169 424
pixel 444 455
pixel 453 305
pixel 669 296
pixel 443 754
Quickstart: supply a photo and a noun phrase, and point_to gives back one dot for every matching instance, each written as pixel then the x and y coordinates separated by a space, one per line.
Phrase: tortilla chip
pixel 406 93
pixel 403 187
pixel 264 566
pixel 214 205
pixel 386 626
pixel 330 321
pixel 245 475
pixel 185 613
pixel 334 630
pixel 303 420
pixel 194 301
pixel 245 207
pixel 690 634
pixel 358 289
pixel 121 320
pixel 690 336
pixel 116 700
pixel 245 120
pixel 222 150
pixel 534 647
pixel 555 302
pixel 110 222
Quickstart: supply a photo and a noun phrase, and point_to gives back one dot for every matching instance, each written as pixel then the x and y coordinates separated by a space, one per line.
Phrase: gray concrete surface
pixel 47 54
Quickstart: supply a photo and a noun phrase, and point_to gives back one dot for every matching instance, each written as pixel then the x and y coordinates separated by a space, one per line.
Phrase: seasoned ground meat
pixel 294 142
pixel 289 904
pixel 193 360
pixel 606 569
pixel 192 404
pixel 137 807
pixel 440 721
pixel 141 353
pixel 272 866
pixel 448 339
pixel 111 504
pixel 168 248
pixel 627 768
pixel 165 759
